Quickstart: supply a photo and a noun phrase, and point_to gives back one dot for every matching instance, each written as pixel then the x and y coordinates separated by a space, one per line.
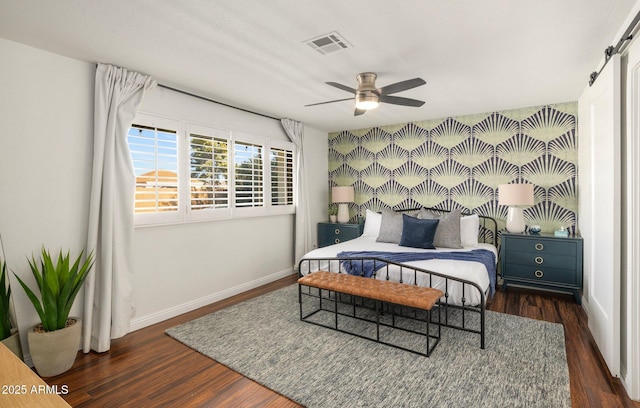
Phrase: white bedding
pixel 472 271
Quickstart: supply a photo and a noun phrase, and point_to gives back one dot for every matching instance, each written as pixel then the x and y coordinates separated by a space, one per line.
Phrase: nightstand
pixel 330 233
pixel 542 261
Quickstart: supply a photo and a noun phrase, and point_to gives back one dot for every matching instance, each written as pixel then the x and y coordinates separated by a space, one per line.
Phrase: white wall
pixel 208 261
pixel 46 127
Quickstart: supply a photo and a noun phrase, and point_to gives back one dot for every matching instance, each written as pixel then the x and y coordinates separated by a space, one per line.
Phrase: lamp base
pixel 343 213
pixel 515 220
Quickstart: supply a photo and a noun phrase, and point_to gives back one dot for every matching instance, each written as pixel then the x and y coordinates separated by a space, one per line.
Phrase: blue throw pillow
pixel 418 233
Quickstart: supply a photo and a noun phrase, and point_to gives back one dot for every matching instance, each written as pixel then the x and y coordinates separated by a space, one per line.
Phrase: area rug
pixel 524 363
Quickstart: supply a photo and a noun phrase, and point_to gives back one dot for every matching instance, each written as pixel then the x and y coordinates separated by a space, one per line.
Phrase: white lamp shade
pixel 515 194
pixel 342 194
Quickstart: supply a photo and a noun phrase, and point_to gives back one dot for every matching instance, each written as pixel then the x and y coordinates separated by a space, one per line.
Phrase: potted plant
pixel 55 341
pixel 333 213
pixel 8 334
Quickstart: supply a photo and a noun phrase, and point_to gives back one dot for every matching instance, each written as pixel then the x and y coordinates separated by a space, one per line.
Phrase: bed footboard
pixel 462 307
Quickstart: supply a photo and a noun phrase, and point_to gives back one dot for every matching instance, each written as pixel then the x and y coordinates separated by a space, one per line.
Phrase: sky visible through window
pixel 153 150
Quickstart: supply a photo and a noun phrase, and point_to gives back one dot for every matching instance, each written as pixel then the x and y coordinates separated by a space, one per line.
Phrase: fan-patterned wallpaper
pixel 458 162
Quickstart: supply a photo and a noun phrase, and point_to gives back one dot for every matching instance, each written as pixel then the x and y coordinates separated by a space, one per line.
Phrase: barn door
pixel 599 208
pixel 633 222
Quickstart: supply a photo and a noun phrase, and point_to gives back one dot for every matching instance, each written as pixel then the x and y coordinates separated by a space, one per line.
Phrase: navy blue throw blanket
pixel 366 268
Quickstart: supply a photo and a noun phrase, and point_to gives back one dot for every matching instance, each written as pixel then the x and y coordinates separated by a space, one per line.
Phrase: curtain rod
pixel 611 50
pixel 214 101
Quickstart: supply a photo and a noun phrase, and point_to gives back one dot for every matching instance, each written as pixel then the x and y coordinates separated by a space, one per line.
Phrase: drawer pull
pixel 539 246
pixel 539 260
pixel 538 273
pixel 337 241
pixel 337 231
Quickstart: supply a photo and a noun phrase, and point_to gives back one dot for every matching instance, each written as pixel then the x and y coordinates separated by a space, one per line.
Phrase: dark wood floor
pixel 147 368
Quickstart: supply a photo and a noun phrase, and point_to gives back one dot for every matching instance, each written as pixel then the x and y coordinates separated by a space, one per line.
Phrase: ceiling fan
pixel 367 96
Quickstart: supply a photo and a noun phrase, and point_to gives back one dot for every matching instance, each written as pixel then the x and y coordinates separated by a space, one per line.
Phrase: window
pixel 154 152
pixel 209 184
pixel 187 172
pixel 281 161
pixel 249 175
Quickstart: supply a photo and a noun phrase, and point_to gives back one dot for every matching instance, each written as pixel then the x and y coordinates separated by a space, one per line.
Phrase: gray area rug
pixel 524 363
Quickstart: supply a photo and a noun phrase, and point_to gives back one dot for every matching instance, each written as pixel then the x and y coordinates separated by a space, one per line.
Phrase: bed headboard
pixel 488 232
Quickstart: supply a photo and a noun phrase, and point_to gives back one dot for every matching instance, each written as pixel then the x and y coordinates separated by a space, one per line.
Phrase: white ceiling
pixel 476 56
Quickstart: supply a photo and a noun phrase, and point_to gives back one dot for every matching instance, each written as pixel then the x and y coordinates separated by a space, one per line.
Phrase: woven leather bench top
pixel 386 291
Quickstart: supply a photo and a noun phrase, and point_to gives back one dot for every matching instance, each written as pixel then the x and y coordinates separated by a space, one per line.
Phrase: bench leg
pixel 335 303
pixel 436 339
pixel 377 321
pixel 482 326
pixel 428 333
pixel 300 299
pixel 439 322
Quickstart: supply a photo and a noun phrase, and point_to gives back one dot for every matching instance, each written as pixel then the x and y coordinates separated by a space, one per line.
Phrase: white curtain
pixel 303 231
pixel 108 303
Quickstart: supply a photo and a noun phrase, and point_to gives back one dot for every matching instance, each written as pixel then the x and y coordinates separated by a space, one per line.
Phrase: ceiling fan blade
pixel 340 86
pixel 337 100
pixel 359 112
pixel 401 86
pixel 398 100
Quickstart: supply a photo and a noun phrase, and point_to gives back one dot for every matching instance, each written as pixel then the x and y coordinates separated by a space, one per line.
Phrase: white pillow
pixel 372 223
pixel 469 229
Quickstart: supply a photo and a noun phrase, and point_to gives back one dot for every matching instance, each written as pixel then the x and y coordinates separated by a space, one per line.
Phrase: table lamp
pixel 342 196
pixel 516 196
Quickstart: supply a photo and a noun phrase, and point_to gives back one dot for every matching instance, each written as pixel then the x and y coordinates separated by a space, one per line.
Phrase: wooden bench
pixel 392 293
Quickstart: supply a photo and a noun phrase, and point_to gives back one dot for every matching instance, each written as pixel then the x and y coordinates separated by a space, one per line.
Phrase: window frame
pixel 162 217
pixel 287 146
pixel 210 213
pixel 253 211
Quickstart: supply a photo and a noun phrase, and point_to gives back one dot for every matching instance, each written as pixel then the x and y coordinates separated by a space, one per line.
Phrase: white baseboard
pixel 148 320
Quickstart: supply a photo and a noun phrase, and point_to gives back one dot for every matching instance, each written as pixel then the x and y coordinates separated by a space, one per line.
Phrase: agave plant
pixel 5 295
pixel 58 285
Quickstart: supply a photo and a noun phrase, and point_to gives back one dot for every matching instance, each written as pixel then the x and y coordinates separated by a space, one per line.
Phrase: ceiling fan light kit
pixel 368 97
pixel 366 100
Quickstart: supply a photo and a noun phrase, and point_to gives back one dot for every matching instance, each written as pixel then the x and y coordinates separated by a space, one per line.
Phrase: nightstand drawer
pixel 542 274
pixel 543 246
pixel 541 259
pixel 342 234
pixel 334 233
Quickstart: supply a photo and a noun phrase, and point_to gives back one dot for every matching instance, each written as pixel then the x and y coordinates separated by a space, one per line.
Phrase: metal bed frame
pixel 487 233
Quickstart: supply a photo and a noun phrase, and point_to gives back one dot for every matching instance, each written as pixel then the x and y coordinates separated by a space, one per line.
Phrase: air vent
pixel 328 43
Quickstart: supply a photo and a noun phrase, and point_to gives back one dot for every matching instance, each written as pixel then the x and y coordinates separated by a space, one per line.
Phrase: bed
pixel 463 267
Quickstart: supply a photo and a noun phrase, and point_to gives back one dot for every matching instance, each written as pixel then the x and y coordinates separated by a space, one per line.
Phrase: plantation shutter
pixel 209 183
pixel 154 152
pixel 281 176
pixel 249 175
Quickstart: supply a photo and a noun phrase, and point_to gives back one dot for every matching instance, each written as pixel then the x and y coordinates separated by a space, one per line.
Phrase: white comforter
pixel 471 271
